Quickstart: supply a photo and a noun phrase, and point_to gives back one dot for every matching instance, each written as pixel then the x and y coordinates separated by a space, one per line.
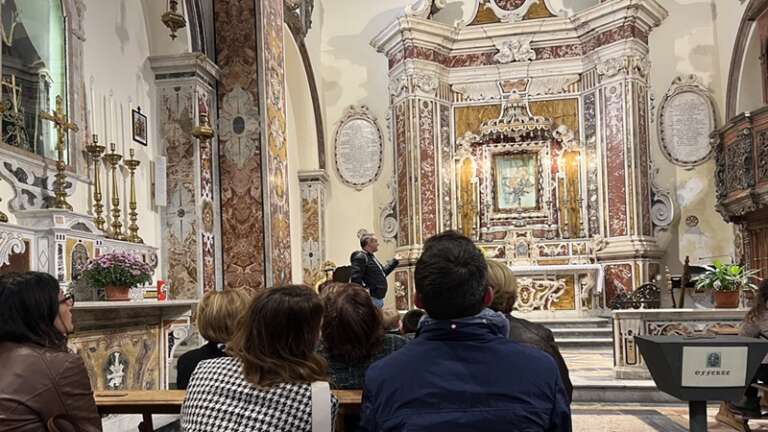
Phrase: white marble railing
pixel 627 361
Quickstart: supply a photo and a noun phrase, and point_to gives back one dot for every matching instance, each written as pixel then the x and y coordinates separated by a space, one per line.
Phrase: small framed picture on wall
pixel 139 126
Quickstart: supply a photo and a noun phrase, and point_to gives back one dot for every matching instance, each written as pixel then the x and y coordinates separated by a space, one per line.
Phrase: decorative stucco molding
pixel 514 50
pixel 424 8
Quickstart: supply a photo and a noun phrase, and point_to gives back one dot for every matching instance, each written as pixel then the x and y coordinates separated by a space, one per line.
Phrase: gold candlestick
pixel 133 228
pixel 95 150
pixel 59 119
pixel 113 159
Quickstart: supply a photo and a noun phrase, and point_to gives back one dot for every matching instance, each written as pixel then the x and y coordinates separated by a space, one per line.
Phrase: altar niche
pixel 520 171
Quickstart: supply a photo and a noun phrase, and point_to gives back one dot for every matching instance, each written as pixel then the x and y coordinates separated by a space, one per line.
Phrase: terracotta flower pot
pixel 726 299
pixel 117 293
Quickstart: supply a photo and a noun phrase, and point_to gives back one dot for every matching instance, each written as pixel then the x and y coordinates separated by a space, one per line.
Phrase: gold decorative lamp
pixel 173 19
pixel 62 125
pixel 133 228
pixel 95 150
pixel 203 130
pixel 113 159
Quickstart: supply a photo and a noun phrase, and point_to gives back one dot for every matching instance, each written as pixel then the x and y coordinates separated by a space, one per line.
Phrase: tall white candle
pixel 112 120
pixel 93 112
pixel 122 129
pixel 103 119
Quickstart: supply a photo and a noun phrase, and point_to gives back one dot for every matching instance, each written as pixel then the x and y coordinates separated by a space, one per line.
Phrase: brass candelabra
pixel 113 159
pixel 95 150
pixel 133 228
pixel 62 125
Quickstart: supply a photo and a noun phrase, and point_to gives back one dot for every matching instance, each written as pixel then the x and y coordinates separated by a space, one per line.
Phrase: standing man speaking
pixel 368 271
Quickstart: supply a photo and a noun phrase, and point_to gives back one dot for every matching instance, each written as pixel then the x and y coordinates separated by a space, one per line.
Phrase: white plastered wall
pixel 302 142
pixel 697 38
pixel 350 72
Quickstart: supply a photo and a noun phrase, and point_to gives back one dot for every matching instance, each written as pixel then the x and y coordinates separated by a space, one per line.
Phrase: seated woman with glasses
pixel 41 381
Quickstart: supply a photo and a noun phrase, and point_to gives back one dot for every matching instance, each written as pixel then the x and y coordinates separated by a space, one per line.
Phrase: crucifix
pixel 62 125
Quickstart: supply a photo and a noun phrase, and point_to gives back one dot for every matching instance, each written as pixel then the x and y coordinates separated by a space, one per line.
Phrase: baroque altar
pixel 527 130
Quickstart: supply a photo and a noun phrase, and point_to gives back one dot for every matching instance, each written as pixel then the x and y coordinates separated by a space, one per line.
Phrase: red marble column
pixel 253 160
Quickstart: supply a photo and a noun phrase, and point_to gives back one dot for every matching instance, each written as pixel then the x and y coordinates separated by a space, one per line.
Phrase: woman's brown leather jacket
pixel 38 383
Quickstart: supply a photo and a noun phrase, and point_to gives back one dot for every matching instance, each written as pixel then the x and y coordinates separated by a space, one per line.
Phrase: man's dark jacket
pixel 538 336
pixel 464 377
pixel 366 272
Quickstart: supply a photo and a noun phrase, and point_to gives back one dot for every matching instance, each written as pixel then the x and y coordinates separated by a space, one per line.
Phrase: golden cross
pixel 59 119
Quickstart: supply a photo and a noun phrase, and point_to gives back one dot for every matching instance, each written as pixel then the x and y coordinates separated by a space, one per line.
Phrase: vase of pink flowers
pixel 117 273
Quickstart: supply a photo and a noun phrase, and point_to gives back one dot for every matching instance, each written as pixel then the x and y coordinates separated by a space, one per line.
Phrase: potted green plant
pixel 117 272
pixel 725 281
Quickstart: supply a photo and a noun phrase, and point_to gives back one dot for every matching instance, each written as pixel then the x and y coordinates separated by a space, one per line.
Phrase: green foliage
pixel 726 278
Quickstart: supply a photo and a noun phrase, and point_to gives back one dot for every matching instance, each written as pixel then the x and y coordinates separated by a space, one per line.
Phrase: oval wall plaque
pixel 358 148
pixel 686 119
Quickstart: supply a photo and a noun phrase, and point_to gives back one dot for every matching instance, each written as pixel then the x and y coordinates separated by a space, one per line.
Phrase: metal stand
pixel 697 415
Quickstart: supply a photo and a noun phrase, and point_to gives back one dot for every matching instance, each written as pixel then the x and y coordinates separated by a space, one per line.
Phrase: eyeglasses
pixel 69 299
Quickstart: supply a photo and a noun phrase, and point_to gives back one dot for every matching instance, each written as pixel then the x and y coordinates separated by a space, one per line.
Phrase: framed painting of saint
pixel 515 182
pixel 139 126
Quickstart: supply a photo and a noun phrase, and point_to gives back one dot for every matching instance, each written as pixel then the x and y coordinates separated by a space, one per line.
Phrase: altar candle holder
pixel 133 228
pixel 96 150
pixel 113 159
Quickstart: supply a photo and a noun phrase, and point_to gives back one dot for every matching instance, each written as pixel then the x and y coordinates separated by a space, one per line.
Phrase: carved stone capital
pixel 298 16
pixel 514 50
pixel 632 66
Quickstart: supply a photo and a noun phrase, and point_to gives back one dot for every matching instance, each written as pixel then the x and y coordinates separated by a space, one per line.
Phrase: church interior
pixel 610 153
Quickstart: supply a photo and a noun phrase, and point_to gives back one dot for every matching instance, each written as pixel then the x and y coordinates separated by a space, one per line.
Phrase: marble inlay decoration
pixel 276 160
pixel 403 212
pixel 125 359
pixel 240 145
pixel 428 169
pixel 615 147
pixel 180 230
pixel 313 188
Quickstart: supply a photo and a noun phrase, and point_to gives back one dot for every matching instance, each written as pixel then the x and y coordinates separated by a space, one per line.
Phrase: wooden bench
pixel 149 402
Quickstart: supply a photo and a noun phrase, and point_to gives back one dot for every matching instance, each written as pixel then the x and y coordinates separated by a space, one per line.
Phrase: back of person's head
pixel 352 326
pixel 219 312
pixel 328 288
pixel 501 281
pixel 450 277
pixel 277 337
pixel 411 320
pixel 29 305
pixel 390 320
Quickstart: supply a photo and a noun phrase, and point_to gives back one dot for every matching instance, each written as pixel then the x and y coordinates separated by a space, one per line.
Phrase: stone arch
pixel 754 9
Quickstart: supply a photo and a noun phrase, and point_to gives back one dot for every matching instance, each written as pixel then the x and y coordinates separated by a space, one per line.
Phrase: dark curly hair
pixel 352 326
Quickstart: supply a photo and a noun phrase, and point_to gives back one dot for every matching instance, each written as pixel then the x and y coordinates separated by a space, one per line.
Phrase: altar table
pixel 148 402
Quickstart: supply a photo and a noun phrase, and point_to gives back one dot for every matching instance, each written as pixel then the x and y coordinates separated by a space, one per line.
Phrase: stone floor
pixel 642 418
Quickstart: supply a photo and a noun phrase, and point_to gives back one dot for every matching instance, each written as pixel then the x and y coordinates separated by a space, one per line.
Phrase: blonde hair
pixel 390 319
pixel 218 313
pixel 502 281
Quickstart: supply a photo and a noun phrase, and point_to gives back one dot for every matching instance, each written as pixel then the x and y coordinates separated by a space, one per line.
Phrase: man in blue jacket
pixel 461 373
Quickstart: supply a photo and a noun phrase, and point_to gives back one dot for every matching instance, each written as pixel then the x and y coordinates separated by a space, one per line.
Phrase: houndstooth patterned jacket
pixel 220 399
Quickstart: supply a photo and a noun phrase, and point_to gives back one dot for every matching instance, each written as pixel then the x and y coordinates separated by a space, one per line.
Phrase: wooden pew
pixel 148 402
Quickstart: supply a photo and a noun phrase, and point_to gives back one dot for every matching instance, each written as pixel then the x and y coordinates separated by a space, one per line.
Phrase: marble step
pixel 561 323
pixel 619 391
pixel 584 343
pixel 577 332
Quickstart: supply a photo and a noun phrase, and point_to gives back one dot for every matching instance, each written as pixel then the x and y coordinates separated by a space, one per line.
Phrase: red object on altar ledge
pixel 160 290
